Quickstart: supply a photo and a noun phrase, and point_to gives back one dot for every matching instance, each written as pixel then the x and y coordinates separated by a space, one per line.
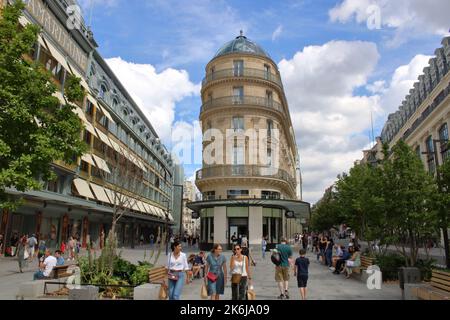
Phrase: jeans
pixel 238 290
pixel 38 275
pixel 320 253
pixel 264 252
pixel 176 287
pixel 328 256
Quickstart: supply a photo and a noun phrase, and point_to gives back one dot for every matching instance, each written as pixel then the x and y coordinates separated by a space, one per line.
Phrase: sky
pixel 340 61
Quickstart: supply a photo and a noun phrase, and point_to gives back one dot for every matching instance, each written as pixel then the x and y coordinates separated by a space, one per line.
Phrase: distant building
pixel 190 226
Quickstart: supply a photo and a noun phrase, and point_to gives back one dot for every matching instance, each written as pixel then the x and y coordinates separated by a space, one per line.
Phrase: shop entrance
pixel 237 226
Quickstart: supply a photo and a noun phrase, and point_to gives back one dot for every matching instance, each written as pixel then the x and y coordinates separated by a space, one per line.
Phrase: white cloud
pixel 401 82
pixel 155 93
pixel 328 118
pixel 409 18
pixel 277 32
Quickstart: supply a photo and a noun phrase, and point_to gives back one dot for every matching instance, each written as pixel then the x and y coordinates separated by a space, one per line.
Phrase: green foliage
pixel 425 266
pixel 389 265
pixel 73 89
pixel 123 269
pixel 35 130
pixel 140 275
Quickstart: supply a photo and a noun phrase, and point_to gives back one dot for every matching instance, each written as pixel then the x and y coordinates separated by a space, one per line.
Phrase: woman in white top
pixel 177 266
pixel 240 272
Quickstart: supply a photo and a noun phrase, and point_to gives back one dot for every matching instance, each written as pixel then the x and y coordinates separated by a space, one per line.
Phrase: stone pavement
pixel 322 284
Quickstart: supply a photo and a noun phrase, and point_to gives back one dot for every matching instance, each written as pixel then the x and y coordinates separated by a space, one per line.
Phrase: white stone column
pixel 255 225
pixel 220 225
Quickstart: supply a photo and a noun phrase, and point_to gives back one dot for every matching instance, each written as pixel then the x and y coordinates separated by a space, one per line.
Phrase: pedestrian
pixel 152 239
pixel 22 253
pixel 234 239
pixel 264 247
pixel 282 271
pixel 240 273
pixel 177 266
pixel 1 244
pixel 353 262
pixel 216 272
pixel 32 242
pixel 329 252
pixel 41 250
pixel 304 241
pixel 71 249
pixel 301 271
pixel 142 239
pixel 244 241
pixel 14 242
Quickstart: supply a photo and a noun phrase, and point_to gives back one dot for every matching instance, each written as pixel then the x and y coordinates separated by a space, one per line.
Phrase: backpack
pixel 276 258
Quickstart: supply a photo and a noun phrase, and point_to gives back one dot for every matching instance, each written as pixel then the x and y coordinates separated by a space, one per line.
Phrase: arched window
pixel 102 91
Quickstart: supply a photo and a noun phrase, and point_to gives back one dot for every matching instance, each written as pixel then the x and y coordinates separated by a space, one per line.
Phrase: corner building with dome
pixel 250 177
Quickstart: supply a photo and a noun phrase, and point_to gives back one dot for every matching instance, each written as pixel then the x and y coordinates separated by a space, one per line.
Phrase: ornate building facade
pixel 125 158
pixel 250 174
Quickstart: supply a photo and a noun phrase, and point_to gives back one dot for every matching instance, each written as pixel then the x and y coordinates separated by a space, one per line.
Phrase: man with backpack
pixel 280 257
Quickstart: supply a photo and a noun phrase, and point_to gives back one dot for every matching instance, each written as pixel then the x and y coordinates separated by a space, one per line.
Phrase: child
pixel 301 271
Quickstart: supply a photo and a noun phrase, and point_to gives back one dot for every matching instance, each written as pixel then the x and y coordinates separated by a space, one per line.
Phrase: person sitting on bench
pixel 46 266
pixel 199 264
pixel 59 258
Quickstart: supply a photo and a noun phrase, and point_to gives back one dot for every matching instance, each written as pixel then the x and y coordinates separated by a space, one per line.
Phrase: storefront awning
pixel 88 158
pixel 100 193
pixel 101 163
pixel 104 138
pixel 55 53
pixel 83 188
pixel 301 209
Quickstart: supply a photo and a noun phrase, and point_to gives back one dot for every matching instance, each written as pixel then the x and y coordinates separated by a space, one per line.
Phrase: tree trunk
pixel 162 243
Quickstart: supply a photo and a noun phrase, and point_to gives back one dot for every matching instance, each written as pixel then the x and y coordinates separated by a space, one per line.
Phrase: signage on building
pixel 57 31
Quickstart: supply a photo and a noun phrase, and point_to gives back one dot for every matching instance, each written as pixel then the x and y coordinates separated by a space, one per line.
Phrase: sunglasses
pixel 237 249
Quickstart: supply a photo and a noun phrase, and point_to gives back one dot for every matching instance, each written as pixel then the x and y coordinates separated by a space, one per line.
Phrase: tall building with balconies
pixel 250 174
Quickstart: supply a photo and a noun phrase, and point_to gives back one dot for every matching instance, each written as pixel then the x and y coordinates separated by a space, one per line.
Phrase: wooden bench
pixel 61 271
pixel 365 263
pixel 438 288
pixel 157 275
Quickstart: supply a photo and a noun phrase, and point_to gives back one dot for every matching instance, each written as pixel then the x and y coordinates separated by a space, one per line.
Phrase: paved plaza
pixel 322 285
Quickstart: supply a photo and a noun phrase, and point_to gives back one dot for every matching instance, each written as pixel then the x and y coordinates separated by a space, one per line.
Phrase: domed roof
pixel 243 45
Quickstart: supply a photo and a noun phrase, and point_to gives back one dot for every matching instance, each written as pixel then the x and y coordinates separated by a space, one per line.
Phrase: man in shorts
pixel 282 271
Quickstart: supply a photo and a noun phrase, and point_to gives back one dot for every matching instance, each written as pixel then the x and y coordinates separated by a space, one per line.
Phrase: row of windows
pixel 430 143
pixel 238 69
pixel 238 193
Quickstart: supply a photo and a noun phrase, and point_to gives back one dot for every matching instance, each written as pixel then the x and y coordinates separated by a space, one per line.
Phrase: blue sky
pixel 176 39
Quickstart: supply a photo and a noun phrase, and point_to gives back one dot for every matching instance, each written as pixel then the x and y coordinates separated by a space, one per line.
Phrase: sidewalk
pixel 322 284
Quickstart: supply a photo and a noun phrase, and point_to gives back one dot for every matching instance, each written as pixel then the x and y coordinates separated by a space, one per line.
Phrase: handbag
pixel 236 277
pixel 211 277
pixel 251 293
pixel 170 275
pixel 26 254
pixel 203 292
pixel 163 293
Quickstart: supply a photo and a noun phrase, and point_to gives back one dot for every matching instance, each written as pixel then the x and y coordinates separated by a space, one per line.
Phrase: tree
pixel 325 213
pixel 408 195
pixel 358 197
pixel 35 129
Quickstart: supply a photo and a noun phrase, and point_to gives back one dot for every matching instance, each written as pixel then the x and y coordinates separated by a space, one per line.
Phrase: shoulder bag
pixel 171 275
pixel 236 277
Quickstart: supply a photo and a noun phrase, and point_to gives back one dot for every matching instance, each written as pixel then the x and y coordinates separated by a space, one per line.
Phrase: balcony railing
pixel 245 171
pixel 245 72
pixel 242 100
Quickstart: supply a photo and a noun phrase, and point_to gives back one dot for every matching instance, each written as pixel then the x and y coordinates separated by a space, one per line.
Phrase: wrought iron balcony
pixel 244 73
pixel 245 171
pixel 241 101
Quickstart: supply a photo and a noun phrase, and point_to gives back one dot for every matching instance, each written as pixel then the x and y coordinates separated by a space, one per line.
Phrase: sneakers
pixel 332 268
pixel 281 296
pixel 286 294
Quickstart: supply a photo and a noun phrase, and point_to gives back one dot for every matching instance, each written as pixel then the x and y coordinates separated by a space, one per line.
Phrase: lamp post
pixel 444 227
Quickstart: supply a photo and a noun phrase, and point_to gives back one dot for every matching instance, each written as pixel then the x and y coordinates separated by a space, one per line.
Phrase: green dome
pixel 242 45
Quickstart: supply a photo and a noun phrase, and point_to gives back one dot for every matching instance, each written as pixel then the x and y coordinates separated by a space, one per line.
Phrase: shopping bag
pixel 26 254
pixel 163 293
pixel 204 292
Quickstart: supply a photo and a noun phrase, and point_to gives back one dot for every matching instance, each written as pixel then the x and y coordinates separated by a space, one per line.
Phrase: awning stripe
pixel 101 163
pixel 88 158
pixel 104 138
pixel 100 193
pixel 83 188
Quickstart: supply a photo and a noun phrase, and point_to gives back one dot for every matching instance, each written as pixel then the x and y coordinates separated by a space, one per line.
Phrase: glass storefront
pixel 272 225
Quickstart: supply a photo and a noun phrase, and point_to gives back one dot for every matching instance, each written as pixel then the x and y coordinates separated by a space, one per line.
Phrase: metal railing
pixel 245 73
pixel 245 171
pixel 242 100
